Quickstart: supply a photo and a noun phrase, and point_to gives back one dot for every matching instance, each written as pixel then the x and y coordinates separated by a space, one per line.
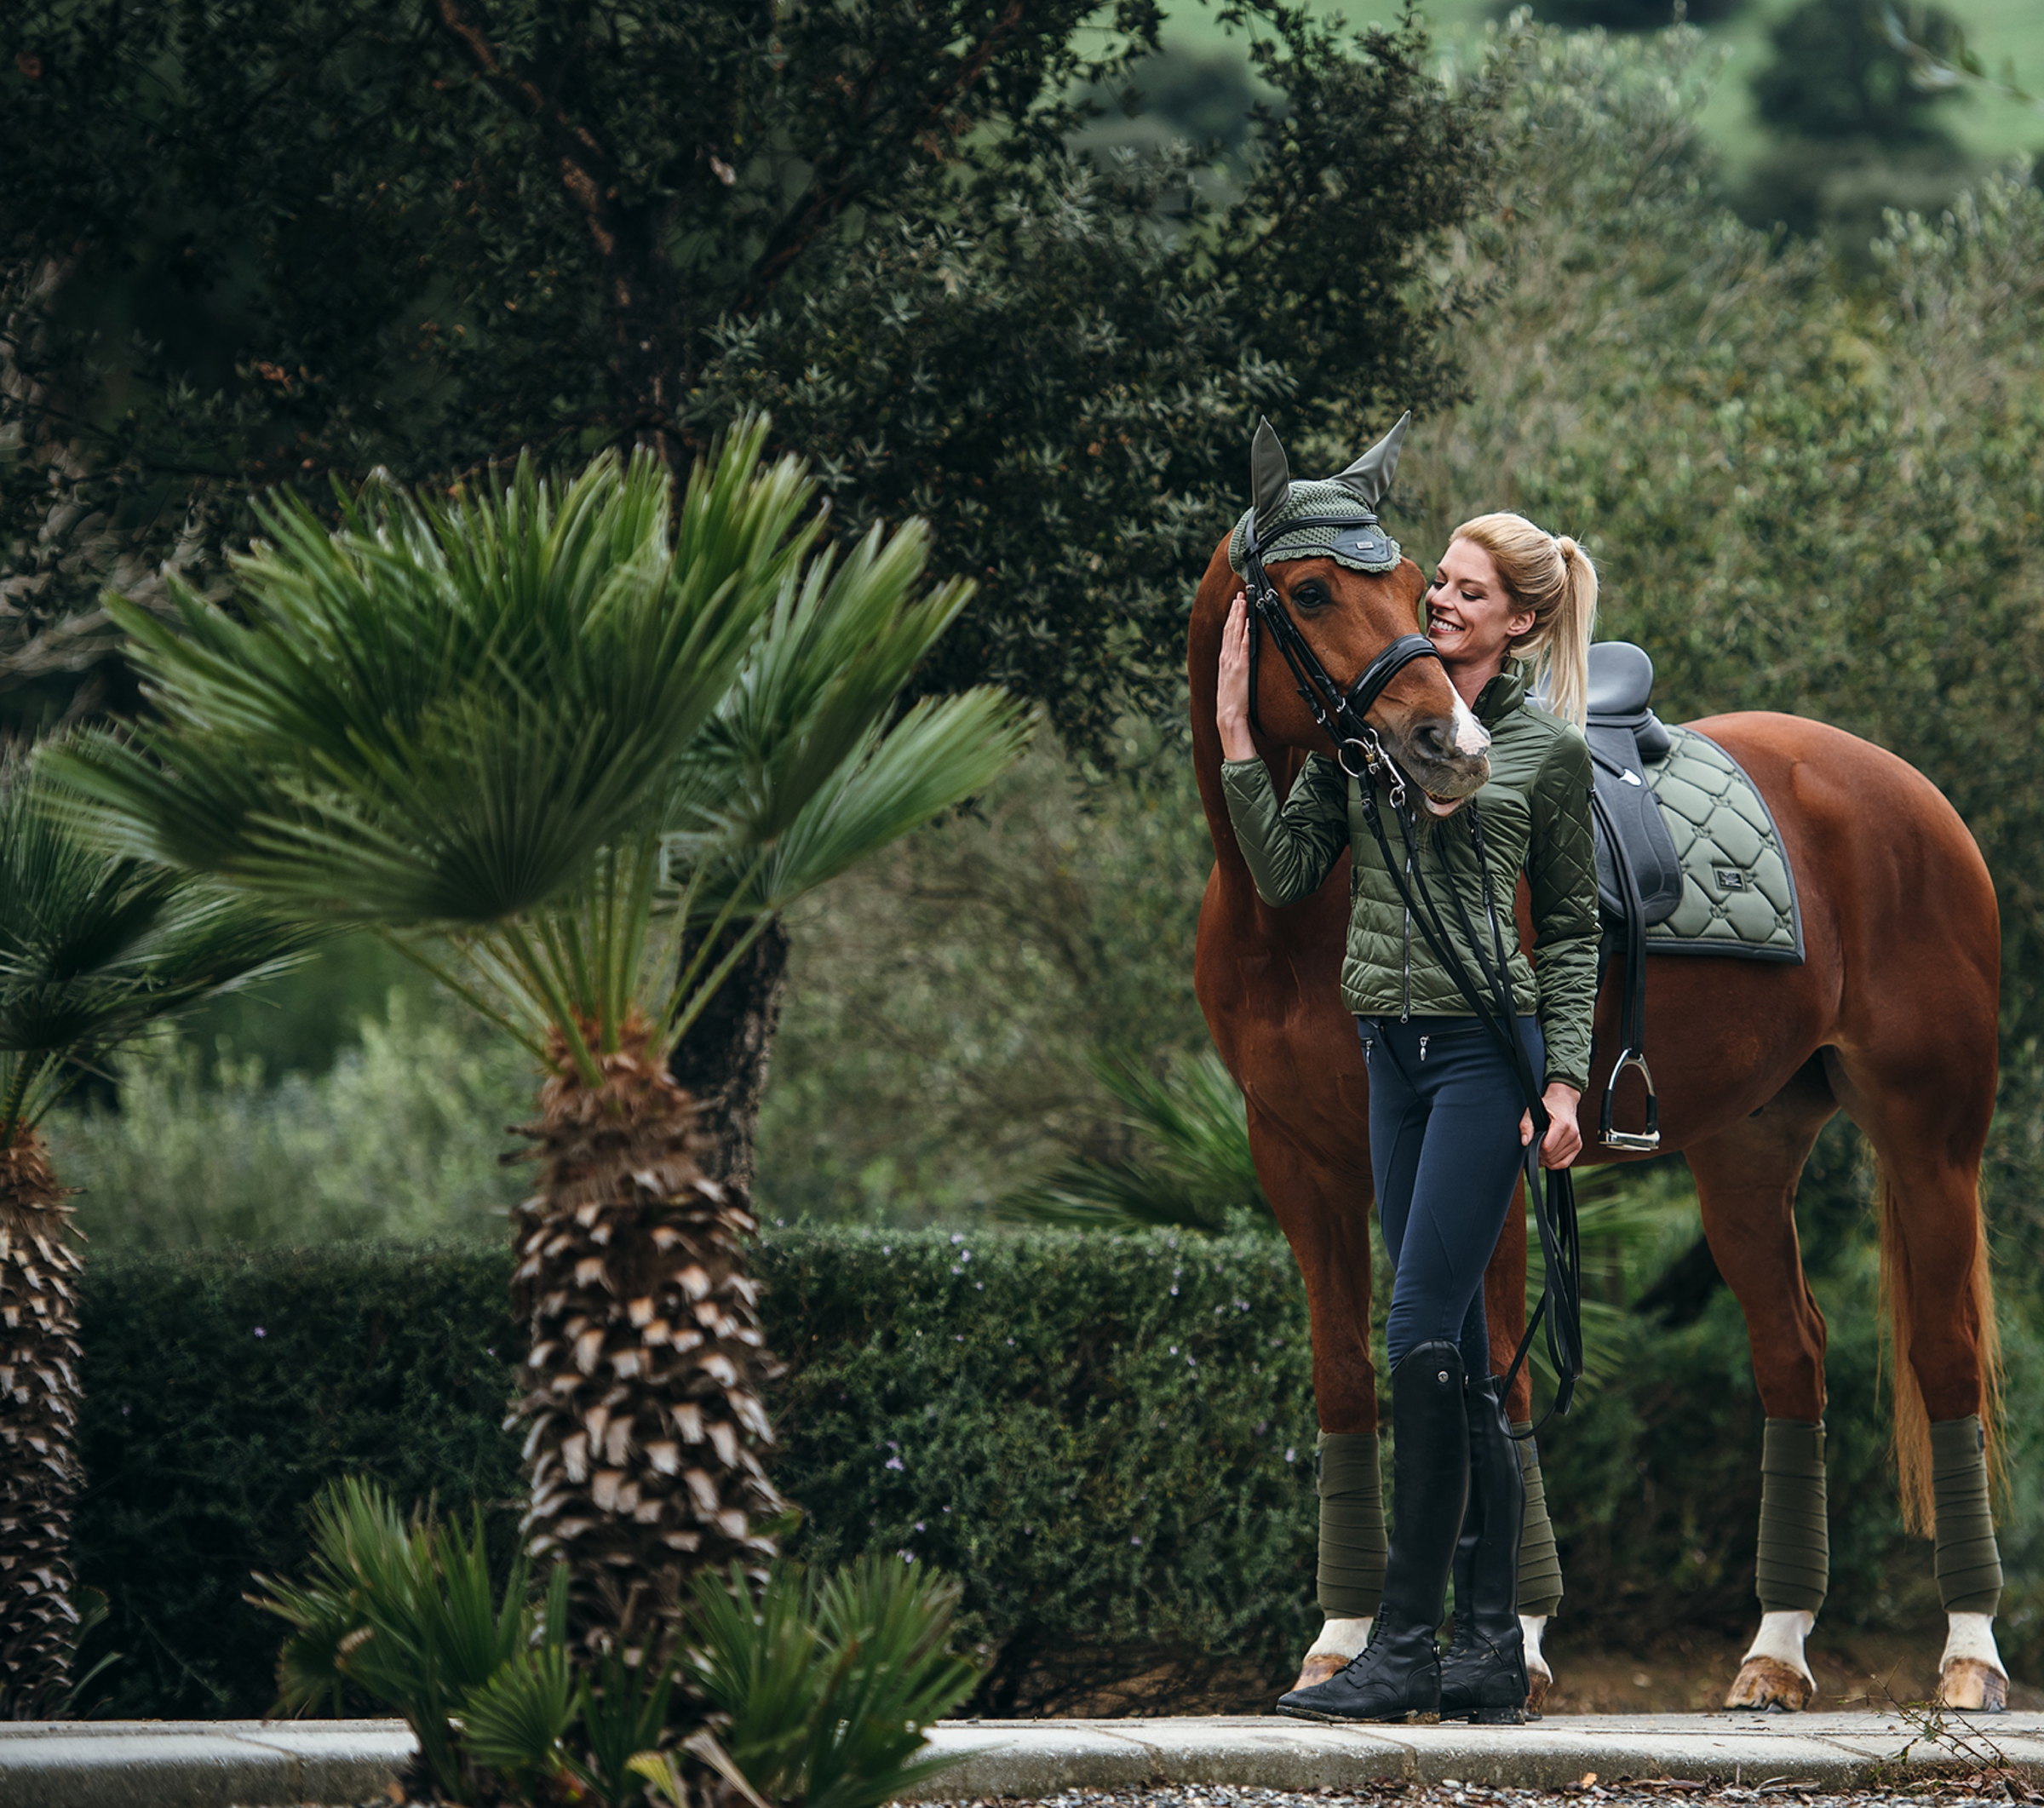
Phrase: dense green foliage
pixel 1108 1440
pixel 246 244
pixel 825 1682
pixel 402 1137
pixel 1801 496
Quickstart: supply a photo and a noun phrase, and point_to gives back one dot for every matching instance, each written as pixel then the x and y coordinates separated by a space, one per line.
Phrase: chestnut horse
pixel 1891 1018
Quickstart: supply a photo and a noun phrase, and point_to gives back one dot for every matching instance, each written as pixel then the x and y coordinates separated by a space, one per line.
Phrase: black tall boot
pixel 1484 1675
pixel 1399 1671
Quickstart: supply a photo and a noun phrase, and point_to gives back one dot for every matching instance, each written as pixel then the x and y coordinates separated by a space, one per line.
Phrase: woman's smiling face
pixel 1471 617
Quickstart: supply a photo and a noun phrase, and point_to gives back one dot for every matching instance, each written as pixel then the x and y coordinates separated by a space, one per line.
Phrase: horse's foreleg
pixel 1322 1206
pixel 1746 1178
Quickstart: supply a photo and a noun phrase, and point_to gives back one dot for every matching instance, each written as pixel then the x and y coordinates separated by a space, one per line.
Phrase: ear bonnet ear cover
pixel 1342 509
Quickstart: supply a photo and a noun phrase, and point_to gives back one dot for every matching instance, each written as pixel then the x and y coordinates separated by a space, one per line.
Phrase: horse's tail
pixel 1912 1417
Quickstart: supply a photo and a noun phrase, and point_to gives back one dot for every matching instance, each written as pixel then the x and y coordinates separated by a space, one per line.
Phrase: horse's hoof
pixel 1973 1687
pixel 1767 1683
pixel 1317 1668
pixel 1539 1679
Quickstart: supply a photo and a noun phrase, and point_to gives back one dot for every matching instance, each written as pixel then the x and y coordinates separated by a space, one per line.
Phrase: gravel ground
pixel 1984 1786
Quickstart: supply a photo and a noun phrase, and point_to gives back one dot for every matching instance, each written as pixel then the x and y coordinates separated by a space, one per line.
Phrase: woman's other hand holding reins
pixel 1231 710
pixel 1564 1140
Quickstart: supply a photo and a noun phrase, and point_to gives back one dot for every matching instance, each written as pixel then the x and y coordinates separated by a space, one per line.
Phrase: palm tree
pixel 94 950
pixel 538 737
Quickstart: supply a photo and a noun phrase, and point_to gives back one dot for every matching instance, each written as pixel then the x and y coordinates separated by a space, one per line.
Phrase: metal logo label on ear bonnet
pixel 1367 545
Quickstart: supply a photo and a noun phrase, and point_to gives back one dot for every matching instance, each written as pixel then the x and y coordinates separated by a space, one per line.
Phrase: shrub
pixel 401 1137
pixel 1107 1440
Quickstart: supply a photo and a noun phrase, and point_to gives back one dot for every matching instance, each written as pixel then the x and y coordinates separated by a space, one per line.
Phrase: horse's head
pixel 1340 618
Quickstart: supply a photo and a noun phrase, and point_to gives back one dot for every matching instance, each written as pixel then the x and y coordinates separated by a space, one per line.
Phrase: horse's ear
pixel 1369 477
pixel 1270 476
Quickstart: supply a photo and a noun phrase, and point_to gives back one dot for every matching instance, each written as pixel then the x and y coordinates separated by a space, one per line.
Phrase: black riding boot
pixel 1484 1675
pixel 1399 1671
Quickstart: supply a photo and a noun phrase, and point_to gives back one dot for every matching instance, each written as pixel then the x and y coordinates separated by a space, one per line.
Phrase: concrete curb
pixel 199 1764
pixel 1037 1758
pixel 277 1764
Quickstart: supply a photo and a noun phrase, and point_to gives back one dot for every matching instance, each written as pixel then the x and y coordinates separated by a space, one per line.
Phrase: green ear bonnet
pixel 1341 509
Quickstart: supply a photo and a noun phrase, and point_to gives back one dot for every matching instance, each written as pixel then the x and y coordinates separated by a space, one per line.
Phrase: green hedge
pixel 1109 1439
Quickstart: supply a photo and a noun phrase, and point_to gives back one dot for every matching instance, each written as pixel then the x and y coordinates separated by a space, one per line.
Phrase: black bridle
pixel 1342 713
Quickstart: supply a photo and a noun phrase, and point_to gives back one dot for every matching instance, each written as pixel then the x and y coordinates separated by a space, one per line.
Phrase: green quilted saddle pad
pixel 1738 895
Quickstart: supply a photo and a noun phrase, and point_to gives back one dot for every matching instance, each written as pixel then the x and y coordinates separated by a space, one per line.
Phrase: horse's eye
pixel 1310 596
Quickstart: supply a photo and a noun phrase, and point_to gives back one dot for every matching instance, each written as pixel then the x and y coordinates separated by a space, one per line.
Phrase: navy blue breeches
pixel 1444 1105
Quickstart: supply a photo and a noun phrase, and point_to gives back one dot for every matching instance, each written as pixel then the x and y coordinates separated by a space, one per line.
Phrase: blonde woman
pixel 1510 606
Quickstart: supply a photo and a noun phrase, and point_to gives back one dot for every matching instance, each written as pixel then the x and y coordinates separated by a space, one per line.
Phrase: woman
pixel 1509 604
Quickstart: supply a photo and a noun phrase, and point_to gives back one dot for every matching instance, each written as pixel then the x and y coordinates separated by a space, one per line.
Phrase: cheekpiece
pixel 1344 531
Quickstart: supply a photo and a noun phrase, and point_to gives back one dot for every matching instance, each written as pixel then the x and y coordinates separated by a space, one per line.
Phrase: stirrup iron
pixel 1642 1142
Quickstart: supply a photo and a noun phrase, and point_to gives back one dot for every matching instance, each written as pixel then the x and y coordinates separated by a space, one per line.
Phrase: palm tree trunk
pixel 39 1399
pixel 645 1427
pixel 722 1061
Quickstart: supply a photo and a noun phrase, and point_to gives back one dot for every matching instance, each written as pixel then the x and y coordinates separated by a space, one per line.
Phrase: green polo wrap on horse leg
pixel 1352 1545
pixel 1795 1566
pixel 1539 1562
pixel 1969 1560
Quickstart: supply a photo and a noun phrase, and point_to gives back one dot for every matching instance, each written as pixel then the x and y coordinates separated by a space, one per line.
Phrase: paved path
pixel 267 1764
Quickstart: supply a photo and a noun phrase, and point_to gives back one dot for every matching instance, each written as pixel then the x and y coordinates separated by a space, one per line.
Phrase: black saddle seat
pixel 1626 738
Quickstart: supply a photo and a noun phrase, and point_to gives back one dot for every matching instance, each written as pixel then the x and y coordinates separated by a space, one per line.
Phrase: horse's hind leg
pixel 1746 1180
pixel 1323 1207
pixel 1927 1119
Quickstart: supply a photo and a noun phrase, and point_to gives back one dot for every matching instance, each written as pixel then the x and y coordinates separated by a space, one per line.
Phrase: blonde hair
pixel 1554 578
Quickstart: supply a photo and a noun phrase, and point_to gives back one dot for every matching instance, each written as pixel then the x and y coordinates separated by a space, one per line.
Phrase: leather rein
pixel 1341 711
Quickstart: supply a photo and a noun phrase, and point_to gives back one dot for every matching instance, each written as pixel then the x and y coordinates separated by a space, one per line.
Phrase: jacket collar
pixel 1502 695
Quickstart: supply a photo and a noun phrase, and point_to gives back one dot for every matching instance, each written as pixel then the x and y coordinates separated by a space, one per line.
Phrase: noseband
pixel 1340 711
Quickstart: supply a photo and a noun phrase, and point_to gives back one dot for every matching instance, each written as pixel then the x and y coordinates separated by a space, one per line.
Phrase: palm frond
pixel 437 713
pixel 829 1681
pixel 888 784
pixel 1192 1168
pixel 95 947
pixel 800 774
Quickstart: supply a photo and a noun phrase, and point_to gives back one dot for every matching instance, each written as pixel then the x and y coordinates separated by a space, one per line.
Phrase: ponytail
pixel 1555 579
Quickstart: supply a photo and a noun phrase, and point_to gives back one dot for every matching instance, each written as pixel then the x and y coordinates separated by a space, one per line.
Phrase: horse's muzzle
pixel 1440 759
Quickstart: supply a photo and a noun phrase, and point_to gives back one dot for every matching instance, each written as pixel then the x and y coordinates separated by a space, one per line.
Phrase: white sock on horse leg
pixel 1341 1639
pixel 1972 1635
pixel 1781 1637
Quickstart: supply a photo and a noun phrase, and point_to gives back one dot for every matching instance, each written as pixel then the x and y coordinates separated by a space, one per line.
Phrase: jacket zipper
pixel 1405 1006
pixel 1424 1040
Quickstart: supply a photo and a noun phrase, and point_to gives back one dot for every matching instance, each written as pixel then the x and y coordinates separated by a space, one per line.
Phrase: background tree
pixel 94 950
pixel 249 243
pixel 520 733
pixel 1858 124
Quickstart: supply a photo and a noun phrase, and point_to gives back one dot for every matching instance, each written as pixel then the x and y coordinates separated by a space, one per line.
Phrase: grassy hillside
pixel 1987 124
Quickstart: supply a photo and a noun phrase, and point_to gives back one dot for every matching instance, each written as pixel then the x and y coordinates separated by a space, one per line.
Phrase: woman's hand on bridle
pixel 1564 1140
pixel 1232 708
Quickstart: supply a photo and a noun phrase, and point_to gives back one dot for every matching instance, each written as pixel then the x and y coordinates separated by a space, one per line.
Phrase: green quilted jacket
pixel 1536 815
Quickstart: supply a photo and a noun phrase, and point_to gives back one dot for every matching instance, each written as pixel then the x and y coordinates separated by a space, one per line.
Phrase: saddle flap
pixel 1645 844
